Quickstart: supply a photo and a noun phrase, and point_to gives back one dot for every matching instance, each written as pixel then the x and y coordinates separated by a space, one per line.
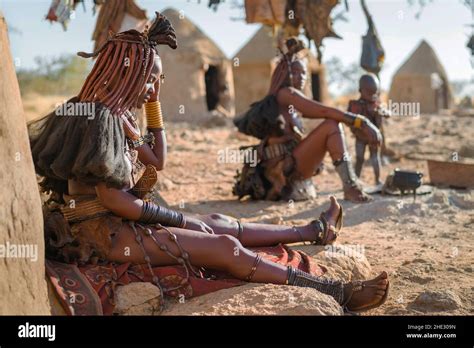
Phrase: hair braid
pixel 124 63
pixel 282 72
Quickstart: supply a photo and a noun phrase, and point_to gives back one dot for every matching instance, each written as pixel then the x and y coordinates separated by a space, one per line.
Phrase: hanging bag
pixel 373 54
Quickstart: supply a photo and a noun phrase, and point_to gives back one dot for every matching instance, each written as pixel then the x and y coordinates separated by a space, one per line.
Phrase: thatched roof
pixel 191 38
pixel 259 49
pixel 423 61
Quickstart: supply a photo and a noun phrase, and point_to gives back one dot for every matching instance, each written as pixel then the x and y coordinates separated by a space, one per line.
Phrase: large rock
pixel 138 299
pixel 258 299
pixel 343 262
pixel 23 288
pixel 437 301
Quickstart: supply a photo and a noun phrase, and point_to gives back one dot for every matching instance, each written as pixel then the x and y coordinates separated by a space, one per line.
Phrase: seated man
pixel 98 167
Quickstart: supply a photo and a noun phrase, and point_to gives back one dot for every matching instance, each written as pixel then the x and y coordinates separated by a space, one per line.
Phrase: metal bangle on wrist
pixel 354 120
pixel 153 213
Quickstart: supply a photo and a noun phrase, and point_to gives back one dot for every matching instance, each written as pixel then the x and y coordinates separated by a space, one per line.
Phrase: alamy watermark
pixel 351 250
pixel 20 251
pixel 409 109
pixel 229 155
pixel 28 330
pixel 79 109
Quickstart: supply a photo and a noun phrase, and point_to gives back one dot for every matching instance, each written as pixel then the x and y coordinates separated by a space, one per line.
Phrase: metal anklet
pixel 299 233
pixel 258 258
pixel 240 229
pixel 333 288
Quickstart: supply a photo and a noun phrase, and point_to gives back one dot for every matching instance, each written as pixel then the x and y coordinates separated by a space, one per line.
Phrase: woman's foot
pixel 356 195
pixel 332 214
pixel 325 230
pixel 372 293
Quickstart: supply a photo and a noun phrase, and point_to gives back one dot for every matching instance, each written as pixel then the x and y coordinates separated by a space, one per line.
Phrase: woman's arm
pixel 308 107
pixel 146 154
pixel 128 206
pixel 312 109
pixel 119 202
pixel 157 155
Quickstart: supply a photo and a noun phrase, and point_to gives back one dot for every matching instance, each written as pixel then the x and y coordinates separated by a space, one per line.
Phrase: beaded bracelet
pixel 144 139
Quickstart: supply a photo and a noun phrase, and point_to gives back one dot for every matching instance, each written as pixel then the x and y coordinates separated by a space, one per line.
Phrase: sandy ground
pixel 426 245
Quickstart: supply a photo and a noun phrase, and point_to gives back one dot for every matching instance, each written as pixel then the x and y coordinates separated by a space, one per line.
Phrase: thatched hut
pixel 422 79
pixel 198 75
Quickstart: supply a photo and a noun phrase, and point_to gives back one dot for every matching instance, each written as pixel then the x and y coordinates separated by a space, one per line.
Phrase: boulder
pixel 258 299
pixel 23 288
pixel 343 262
pixel 437 301
pixel 138 299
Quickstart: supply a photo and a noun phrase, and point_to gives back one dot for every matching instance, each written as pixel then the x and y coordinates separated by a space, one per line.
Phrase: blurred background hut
pixel 422 79
pixel 198 74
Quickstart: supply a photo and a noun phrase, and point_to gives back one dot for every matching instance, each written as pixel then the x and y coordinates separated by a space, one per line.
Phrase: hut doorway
pixel 211 78
pixel 316 86
pixel 441 95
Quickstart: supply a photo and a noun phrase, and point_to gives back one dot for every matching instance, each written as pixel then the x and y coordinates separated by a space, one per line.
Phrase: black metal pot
pixel 406 180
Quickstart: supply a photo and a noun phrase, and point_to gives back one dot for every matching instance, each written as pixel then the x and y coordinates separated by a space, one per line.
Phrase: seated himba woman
pixel 289 157
pixel 93 165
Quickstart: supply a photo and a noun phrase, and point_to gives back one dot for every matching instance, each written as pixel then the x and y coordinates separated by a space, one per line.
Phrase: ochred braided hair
pixel 283 70
pixel 124 64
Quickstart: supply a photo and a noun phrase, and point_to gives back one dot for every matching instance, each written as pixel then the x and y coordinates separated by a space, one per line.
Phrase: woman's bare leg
pixel 220 252
pixel 257 235
pixel 310 152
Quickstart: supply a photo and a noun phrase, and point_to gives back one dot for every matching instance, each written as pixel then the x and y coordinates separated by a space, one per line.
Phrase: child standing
pixel 368 105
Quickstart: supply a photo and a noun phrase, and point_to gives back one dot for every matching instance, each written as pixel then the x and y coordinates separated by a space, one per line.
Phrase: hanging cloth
pixel 314 17
pixel 111 16
pixel 61 10
pixel 269 12
pixel 373 54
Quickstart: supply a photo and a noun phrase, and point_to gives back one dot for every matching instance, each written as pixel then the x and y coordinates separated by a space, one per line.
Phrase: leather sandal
pixel 359 286
pixel 323 228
